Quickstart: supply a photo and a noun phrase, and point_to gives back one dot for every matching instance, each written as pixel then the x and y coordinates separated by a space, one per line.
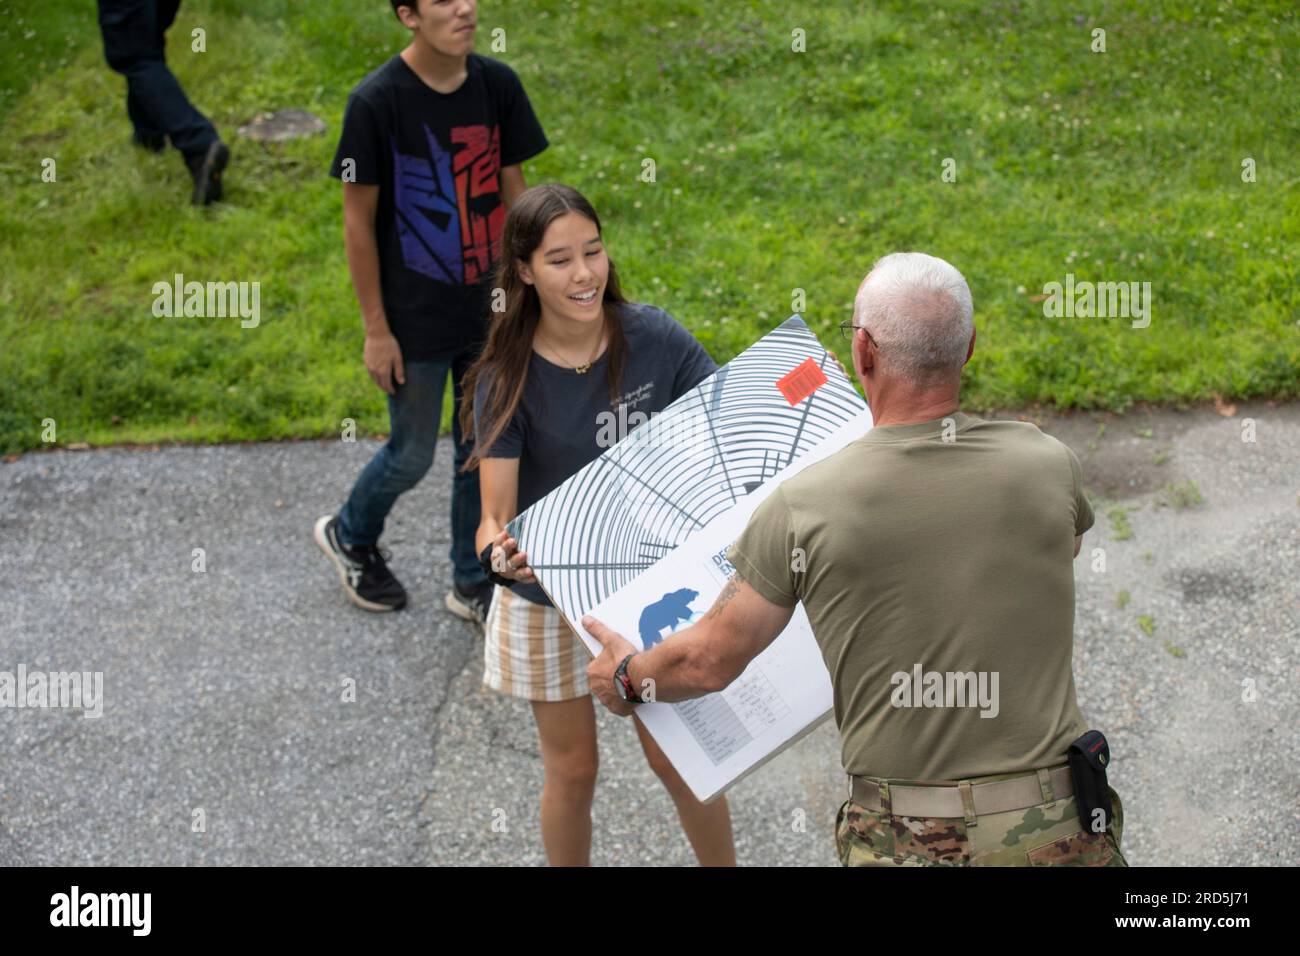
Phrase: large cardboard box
pixel 639 538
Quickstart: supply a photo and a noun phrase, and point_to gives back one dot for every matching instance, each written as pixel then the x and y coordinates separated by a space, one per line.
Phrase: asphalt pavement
pixel 231 733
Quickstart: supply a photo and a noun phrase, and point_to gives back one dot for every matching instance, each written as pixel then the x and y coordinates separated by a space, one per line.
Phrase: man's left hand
pixel 600 672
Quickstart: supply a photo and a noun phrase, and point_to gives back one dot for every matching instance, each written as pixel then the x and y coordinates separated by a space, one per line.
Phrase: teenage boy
pixel 429 157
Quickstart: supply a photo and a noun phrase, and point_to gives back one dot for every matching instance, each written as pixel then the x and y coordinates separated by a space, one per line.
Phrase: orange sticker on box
pixel 801 381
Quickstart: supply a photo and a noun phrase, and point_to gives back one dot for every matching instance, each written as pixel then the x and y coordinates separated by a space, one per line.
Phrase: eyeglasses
pixel 848 329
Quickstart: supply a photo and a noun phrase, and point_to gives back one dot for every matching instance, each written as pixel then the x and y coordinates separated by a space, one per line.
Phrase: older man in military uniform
pixel 936 568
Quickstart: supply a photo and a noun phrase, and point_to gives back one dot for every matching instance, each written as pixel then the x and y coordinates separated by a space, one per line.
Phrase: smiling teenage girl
pixel 567 348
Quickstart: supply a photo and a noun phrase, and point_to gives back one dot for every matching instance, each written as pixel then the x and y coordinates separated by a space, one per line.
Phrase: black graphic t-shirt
pixel 557 428
pixel 437 158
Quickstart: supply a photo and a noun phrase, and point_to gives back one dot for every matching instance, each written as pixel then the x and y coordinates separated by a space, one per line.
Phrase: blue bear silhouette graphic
pixel 668 611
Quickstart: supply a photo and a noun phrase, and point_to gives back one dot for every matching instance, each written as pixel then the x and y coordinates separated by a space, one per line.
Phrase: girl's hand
pixel 509 562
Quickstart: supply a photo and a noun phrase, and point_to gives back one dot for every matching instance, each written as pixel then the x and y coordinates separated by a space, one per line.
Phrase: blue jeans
pixel 133 32
pixel 414 413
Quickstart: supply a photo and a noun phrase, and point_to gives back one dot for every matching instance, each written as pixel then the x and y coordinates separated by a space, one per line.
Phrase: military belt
pixel 963 799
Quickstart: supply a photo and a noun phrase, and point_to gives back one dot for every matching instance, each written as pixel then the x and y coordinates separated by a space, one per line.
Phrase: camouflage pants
pixel 1045 835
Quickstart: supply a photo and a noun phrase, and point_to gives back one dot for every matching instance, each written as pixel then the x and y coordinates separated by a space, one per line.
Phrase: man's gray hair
pixel 918 309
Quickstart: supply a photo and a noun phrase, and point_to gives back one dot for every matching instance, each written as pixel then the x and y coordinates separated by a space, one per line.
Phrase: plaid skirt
pixel 530 651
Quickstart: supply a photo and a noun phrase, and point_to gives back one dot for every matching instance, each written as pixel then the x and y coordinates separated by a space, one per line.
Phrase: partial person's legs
pixel 707 825
pixel 414 413
pixel 146 132
pixel 166 15
pixel 131 33
pixel 465 504
pixel 133 46
pixel 567 733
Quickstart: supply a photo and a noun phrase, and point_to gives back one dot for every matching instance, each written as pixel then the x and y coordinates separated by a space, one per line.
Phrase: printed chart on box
pixel 723 723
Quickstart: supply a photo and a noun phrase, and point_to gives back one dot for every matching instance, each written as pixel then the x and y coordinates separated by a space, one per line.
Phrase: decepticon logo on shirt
pixel 449 209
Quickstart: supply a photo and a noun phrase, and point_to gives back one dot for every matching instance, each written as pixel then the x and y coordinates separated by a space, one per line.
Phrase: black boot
pixel 205 170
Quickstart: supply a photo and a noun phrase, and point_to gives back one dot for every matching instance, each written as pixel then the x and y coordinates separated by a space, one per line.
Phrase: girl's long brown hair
pixel 505 357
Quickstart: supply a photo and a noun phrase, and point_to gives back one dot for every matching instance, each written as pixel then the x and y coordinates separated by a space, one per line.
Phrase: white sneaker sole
pixel 323 543
pixel 463 610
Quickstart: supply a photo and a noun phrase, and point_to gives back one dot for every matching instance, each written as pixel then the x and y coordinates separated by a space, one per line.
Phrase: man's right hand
pixel 384 362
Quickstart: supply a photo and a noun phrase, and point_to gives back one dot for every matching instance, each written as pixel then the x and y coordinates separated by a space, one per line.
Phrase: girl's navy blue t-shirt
pixel 554 431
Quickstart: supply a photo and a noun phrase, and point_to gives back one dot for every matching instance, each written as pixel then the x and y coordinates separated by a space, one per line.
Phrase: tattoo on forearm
pixel 729 591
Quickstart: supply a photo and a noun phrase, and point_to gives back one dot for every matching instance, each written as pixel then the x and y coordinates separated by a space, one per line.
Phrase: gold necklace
pixel 580 369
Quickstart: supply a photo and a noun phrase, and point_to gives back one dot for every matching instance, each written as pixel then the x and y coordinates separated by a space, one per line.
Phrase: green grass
pixel 1147 623
pixel 776 171
pixel 1120 527
pixel 1180 496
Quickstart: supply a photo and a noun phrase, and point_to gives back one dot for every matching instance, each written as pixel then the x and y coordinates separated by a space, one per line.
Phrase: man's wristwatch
pixel 485 562
pixel 623 683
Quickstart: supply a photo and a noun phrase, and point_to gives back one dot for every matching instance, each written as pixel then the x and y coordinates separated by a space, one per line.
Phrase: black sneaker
pixel 472 603
pixel 205 170
pixel 362 569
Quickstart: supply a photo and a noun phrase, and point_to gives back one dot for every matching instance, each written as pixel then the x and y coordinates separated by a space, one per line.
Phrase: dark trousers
pixel 133 45
pixel 414 414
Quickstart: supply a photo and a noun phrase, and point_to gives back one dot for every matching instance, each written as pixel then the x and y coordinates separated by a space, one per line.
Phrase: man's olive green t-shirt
pixel 935 562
